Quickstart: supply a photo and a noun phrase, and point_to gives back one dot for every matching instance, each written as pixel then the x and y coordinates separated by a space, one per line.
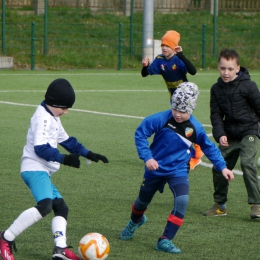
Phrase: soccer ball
pixel 93 246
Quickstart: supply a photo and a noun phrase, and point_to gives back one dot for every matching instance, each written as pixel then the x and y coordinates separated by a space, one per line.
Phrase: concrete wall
pixel 39 6
pixel 6 62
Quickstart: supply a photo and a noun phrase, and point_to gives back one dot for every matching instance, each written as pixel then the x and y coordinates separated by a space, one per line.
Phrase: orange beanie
pixel 171 39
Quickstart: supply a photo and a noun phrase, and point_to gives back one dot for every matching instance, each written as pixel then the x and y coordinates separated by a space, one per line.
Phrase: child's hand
pixel 223 141
pixel 152 165
pixel 228 174
pixel 71 160
pixel 178 49
pixel 145 61
pixel 95 157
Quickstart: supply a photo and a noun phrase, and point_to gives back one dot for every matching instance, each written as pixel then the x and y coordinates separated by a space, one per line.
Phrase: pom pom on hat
pixel 60 94
pixel 184 99
pixel 171 39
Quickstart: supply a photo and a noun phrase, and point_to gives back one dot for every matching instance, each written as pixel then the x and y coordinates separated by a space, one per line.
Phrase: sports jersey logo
pixel 162 67
pixel 174 67
pixel 188 131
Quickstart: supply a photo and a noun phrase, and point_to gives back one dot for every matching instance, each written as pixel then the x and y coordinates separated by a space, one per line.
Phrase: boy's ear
pixel 238 68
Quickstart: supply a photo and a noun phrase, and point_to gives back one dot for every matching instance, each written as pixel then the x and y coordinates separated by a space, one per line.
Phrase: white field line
pixel 99 74
pixel 82 110
pixel 77 110
pixel 86 74
pixel 92 90
pixel 117 115
pixel 209 165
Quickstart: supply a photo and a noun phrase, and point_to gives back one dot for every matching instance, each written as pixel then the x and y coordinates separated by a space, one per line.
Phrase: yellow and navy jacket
pixel 174 71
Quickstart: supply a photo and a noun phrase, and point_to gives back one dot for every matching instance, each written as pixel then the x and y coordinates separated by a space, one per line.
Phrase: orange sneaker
pixel 194 162
pixel 198 151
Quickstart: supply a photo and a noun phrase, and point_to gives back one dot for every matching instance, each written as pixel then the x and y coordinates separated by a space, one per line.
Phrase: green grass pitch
pixel 109 106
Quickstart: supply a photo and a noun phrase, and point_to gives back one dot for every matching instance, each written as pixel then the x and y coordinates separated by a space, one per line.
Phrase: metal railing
pixel 165 6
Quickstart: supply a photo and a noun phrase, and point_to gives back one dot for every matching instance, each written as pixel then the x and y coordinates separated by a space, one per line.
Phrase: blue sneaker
pixel 167 246
pixel 130 228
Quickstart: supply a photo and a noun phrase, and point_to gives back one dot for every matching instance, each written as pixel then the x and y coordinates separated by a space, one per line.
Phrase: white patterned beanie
pixel 184 98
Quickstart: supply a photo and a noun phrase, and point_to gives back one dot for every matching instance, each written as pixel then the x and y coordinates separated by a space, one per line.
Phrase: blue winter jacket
pixel 172 144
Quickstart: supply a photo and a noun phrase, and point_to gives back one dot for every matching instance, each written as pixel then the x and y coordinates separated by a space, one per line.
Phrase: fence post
pixel 132 28
pixel 3 26
pixel 120 47
pixel 32 47
pixel 215 29
pixel 148 28
pixel 203 45
pixel 46 28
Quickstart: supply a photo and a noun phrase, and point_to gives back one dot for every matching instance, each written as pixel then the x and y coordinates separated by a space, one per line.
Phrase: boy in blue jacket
pixel 167 161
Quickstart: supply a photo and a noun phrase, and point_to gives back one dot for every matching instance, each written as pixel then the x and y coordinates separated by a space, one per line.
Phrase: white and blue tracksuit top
pixel 172 144
pixel 45 133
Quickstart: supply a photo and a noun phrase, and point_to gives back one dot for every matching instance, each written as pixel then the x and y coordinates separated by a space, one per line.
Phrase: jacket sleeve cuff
pixel 59 157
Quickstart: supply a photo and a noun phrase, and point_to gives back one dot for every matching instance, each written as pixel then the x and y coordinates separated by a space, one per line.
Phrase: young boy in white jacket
pixel 41 158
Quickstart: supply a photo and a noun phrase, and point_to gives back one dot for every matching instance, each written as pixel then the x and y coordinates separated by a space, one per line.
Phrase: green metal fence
pixel 165 6
pixel 75 38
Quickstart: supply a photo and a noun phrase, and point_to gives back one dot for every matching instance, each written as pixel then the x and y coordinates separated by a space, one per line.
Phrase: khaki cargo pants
pixel 246 149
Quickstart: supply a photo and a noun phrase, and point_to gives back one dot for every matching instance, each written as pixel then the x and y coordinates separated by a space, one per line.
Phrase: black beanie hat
pixel 60 94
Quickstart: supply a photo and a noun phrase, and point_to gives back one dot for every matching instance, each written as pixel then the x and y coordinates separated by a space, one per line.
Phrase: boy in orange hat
pixel 173 66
